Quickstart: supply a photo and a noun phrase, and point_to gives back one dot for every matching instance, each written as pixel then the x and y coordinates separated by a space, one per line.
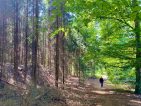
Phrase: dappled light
pixel 70 52
pixel 103 92
pixel 135 101
pixel 92 94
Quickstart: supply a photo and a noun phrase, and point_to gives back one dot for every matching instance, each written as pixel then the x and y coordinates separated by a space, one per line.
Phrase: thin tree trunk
pixel 16 40
pixel 2 48
pixel 26 42
pixel 57 55
pixel 49 41
pixel 63 59
pixel 63 42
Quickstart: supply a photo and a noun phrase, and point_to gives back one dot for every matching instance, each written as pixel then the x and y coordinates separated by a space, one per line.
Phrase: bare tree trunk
pixel 16 42
pixel 49 41
pixel 43 50
pixel 26 42
pixel 3 45
pixel 63 41
pixel 63 59
pixel 57 55
pixel 35 45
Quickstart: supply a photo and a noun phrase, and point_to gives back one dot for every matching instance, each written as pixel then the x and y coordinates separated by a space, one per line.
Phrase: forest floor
pixel 88 93
pixel 91 94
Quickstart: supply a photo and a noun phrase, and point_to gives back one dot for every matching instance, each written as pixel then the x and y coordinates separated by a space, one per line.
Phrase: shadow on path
pixel 91 94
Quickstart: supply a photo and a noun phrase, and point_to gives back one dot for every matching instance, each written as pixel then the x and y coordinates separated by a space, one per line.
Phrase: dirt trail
pixel 91 94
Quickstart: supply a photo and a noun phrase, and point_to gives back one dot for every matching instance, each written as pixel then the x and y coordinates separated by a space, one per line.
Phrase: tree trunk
pixel 3 42
pixel 35 45
pixel 16 40
pixel 57 55
pixel 63 59
pixel 26 42
pixel 138 50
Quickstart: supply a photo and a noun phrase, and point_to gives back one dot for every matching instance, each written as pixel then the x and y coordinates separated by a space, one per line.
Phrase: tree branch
pixel 120 20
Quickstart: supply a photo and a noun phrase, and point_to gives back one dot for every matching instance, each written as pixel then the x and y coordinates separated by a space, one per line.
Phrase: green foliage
pixel 104 31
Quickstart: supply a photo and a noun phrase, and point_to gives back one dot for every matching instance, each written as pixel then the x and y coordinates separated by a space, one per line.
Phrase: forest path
pixel 91 94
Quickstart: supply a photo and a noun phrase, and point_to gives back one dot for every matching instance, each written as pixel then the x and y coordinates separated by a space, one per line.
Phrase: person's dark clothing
pixel 101 80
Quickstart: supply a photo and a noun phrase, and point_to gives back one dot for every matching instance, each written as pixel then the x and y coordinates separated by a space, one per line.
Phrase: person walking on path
pixel 101 80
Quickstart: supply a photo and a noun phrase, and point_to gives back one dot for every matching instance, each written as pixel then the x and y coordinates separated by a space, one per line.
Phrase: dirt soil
pixel 91 94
